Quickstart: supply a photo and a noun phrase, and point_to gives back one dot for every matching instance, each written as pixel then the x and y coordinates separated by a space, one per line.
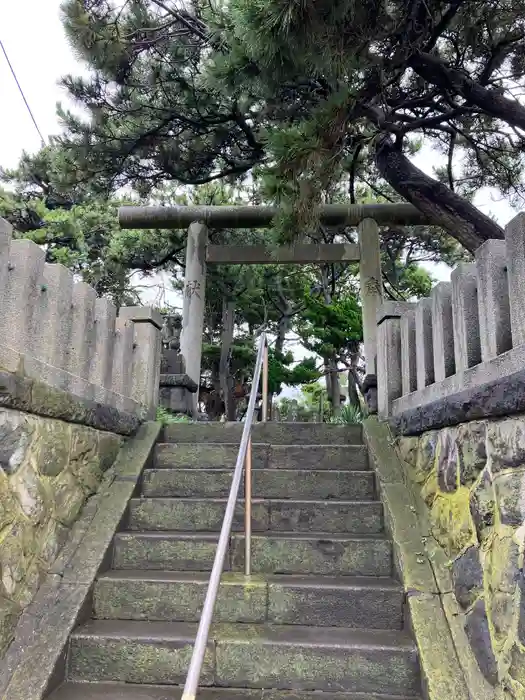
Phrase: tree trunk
pixel 336 388
pixel 353 396
pixel 492 102
pixel 226 383
pixel 462 220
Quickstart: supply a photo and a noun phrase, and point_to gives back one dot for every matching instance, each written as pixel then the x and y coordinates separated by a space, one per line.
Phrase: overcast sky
pixel 37 48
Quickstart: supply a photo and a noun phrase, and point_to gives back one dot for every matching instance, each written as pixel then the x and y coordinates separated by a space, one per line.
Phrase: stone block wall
pixel 443 360
pixel 48 469
pixel 469 481
pixel 56 330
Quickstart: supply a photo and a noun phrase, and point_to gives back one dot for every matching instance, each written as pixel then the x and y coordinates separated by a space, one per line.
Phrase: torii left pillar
pixel 193 304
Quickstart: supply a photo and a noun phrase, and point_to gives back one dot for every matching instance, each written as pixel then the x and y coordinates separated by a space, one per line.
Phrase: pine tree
pixel 308 93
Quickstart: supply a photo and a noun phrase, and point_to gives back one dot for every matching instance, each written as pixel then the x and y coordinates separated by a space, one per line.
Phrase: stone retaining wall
pixel 471 480
pixel 48 469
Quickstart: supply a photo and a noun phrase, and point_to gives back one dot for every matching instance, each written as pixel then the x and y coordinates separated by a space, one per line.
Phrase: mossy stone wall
pixel 471 479
pixel 48 469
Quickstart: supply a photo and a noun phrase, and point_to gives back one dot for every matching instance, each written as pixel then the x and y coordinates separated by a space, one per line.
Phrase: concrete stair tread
pixel 268 515
pixel 308 581
pixel 273 433
pixel 129 691
pixel 278 470
pixel 198 455
pixel 214 536
pixel 288 501
pixel 264 444
pixel 255 634
pixel 330 484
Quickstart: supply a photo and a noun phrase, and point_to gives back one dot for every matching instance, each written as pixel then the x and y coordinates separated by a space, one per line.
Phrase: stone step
pixel 371 603
pixel 121 691
pixel 206 515
pixel 266 483
pixel 269 433
pixel 208 455
pixel 247 656
pixel 273 553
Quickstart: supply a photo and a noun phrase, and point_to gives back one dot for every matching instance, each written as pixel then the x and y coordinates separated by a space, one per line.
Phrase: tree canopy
pixel 305 95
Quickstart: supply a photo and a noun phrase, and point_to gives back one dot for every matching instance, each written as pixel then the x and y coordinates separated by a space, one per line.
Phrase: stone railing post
pixel 371 288
pixel 515 246
pixel 408 351
pixel 147 324
pixel 102 361
pixel 424 344
pixel 19 321
pixel 389 371
pixel 465 316
pixel 493 299
pixel 82 345
pixel 442 331
pixel 56 316
pixel 122 374
pixel 193 303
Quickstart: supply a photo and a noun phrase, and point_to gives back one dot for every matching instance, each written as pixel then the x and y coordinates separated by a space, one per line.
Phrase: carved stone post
pixel 371 287
pixel 193 303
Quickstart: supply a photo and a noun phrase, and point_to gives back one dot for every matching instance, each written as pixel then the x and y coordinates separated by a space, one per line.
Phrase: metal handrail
pixel 244 458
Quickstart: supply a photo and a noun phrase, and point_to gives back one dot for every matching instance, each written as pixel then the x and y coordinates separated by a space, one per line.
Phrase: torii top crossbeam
pixel 261 216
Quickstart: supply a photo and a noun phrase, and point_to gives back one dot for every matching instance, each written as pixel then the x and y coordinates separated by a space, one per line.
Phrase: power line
pixel 22 93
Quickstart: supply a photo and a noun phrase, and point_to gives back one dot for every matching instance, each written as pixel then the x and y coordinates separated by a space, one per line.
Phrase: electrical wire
pixel 22 93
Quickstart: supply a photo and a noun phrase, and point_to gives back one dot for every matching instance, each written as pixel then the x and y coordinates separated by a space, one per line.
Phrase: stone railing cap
pixel 178 380
pixel 393 309
pixel 142 314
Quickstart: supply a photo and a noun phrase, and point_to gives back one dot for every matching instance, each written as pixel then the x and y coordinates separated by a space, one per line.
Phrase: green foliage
pixel 166 417
pixel 328 328
pixel 350 415
pixel 281 370
pixel 213 90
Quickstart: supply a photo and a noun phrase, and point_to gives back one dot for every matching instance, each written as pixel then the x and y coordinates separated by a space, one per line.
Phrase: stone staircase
pixel 321 618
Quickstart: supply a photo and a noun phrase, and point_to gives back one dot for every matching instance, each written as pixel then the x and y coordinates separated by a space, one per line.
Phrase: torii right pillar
pixel 371 299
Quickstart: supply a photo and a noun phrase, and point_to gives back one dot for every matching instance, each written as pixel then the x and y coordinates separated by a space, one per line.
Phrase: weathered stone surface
pixel 509 488
pixel 467 576
pixel 16 554
pixel 502 610
pixel 483 503
pixel 26 394
pixel 69 498
pixel 46 624
pixel 478 633
pixel 306 554
pixel 471 444
pixel 427 453
pixel 447 461
pixel 506 444
pixel 8 504
pixel 52 442
pixel 478 522
pixel 408 450
pixel 28 490
pixel 9 613
pixel 498 398
pixel 15 437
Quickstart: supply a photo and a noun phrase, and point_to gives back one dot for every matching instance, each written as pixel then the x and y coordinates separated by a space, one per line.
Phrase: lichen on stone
pixel 472 480
pixel 48 468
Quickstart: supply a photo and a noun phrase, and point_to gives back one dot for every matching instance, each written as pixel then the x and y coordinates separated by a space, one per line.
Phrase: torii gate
pixel 199 253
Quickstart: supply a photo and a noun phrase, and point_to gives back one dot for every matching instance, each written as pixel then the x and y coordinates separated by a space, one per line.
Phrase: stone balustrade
pixel 452 351
pixel 56 330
